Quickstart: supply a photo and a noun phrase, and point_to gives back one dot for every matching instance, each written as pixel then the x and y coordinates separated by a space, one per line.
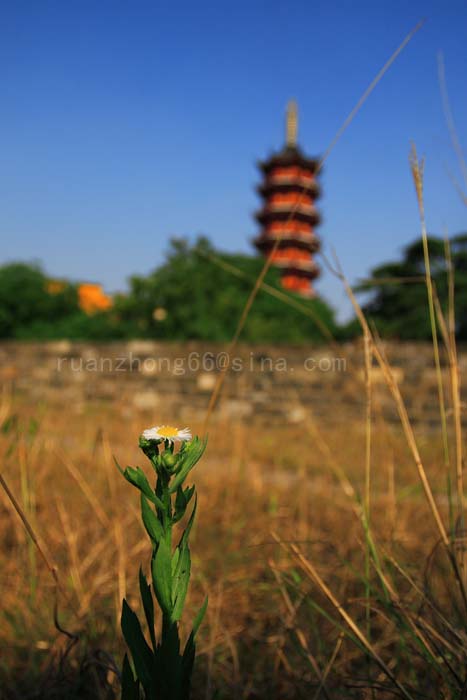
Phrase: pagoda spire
pixel 291 125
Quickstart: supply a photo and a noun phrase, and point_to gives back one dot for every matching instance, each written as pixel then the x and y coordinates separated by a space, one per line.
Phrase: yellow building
pixel 92 298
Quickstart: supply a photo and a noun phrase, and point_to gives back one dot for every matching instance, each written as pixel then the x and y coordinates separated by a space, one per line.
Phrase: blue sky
pixel 125 123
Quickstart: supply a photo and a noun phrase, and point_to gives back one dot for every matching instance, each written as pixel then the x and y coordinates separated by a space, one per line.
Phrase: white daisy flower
pixel 167 432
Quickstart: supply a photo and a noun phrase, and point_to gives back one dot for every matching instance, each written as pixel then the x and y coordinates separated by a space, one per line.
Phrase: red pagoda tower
pixel 289 191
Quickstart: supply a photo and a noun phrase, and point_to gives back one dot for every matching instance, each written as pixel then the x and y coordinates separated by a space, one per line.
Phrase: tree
pixel 199 299
pixel 25 299
pixel 398 303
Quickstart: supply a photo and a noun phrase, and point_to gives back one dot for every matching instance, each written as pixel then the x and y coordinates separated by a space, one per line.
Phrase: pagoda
pixel 288 215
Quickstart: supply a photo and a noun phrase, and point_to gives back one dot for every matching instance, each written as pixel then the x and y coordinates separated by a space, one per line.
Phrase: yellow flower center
pixel 167 431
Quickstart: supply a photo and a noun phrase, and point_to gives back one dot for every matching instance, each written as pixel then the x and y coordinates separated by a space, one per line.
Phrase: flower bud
pixel 169 460
pixel 149 447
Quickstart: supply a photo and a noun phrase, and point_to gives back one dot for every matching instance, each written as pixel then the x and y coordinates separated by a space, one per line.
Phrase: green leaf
pixel 118 466
pixel 199 617
pixel 171 665
pixel 138 478
pixel 140 651
pixel 188 659
pixel 158 502
pixel 181 502
pixel 170 648
pixel 189 651
pixel 148 605
pixel 184 538
pixel 175 556
pixel 189 491
pixel 181 580
pixel 130 684
pixel 151 521
pixel 180 505
pixel 162 577
pixel 191 454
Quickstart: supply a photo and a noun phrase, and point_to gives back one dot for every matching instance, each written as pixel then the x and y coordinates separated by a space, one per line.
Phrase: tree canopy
pixel 25 299
pixel 200 299
pixel 397 295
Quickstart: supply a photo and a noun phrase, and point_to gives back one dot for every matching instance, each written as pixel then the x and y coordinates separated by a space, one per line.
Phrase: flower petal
pixel 151 434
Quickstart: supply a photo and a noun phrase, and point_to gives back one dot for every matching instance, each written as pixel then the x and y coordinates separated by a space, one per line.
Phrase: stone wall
pixel 263 383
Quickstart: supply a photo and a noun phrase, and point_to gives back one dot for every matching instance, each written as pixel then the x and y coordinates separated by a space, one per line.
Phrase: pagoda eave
pixel 290 185
pixel 289 156
pixel 305 269
pixel 301 213
pixel 307 242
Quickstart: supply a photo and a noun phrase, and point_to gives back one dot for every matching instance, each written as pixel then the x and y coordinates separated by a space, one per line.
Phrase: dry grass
pixel 262 636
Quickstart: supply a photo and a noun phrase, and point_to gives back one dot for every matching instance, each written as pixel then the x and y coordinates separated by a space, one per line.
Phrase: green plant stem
pixel 167 527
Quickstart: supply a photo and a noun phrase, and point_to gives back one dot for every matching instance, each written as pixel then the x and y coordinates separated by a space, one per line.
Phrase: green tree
pixel 25 299
pixel 397 302
pixel 194 298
